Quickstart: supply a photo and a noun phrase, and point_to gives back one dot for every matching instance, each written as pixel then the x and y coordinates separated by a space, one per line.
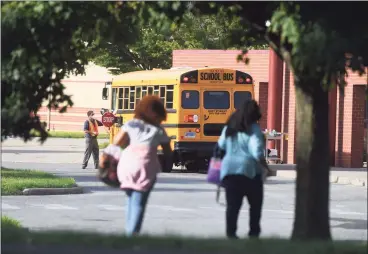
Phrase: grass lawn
pixel 11 228
pixel 103 145
pixel 70 134
pixel 13 233
pixel 14 181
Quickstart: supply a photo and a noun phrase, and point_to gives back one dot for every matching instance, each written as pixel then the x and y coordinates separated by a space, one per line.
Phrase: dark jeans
pixel 91 148
pixel 236 187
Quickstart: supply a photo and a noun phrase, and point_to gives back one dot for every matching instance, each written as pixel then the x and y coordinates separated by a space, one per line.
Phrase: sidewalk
pixel 352 176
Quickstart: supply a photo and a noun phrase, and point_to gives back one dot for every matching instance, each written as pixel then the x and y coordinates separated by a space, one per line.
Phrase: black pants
pixel 236 187
pixel 91 148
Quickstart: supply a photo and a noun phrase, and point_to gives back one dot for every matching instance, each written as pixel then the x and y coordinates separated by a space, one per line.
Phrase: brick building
pixel 86 95
pixel 276 95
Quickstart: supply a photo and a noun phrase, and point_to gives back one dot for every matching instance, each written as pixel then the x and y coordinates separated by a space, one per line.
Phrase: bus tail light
pixel 192 80
pixel 243 78
pixel 197 130
pixel 191 118
pixel 190 77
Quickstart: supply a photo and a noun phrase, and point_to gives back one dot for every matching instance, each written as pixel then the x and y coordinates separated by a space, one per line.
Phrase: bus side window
pixel 132 97
pixel 120 97
pixel 169 98
pixel 190 99
pixel 113 98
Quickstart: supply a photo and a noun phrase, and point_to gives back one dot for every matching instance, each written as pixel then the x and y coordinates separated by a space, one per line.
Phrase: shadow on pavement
pixel 40 151
pixel 163 180
pixel 92 189
pixel 176 180
pixel 273 181
pixel 354 224
pixel 170 189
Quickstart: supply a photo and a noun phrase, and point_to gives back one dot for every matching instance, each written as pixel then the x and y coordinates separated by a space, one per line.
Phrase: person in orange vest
pixel 91 133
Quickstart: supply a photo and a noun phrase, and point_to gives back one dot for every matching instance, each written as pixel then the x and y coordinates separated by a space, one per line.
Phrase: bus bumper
pixel 198 149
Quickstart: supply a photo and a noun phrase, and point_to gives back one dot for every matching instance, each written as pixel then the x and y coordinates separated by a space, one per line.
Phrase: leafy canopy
pixel 153 46
pixel 46 41
pixel 313 41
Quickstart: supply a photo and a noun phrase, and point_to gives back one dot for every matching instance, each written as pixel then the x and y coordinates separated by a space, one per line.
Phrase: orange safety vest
pixel 93 127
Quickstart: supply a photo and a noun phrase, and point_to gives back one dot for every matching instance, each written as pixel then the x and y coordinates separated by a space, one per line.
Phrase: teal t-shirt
pixel 243 152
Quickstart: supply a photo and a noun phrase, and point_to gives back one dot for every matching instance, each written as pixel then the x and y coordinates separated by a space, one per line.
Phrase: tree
pixel 319 42
pixel 44 42
pixel 153 47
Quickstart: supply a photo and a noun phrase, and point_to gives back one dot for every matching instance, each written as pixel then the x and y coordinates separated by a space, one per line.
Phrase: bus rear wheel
pixel 197 166
pixel 161 158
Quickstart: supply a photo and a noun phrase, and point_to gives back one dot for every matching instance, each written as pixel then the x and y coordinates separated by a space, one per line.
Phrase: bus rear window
pixel 216 99
pixel 240 98
pixel 190 99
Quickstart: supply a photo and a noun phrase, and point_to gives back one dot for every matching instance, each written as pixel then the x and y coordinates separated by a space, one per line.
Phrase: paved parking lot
pixel 181 203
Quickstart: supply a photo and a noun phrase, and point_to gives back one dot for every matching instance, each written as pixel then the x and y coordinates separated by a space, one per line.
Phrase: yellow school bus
pixel 198 102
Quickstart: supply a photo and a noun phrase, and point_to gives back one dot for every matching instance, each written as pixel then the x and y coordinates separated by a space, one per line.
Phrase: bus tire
pixel 161 158
pixel 191 167
pixel 166 170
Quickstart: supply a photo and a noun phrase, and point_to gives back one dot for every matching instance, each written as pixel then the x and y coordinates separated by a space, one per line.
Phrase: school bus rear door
pixel 216 109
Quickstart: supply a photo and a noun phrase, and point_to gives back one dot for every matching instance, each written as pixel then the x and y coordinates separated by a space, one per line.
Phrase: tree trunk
pixel 312 157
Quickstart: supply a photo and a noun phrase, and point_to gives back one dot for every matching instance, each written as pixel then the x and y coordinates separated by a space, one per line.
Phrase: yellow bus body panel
pixel 176 115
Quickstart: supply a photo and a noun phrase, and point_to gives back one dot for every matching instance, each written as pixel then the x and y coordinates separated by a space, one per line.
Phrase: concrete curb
pixel 53 191
pixel 333 179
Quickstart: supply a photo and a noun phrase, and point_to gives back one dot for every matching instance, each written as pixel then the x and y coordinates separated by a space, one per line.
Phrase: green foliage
pixel 313 42
pixel 12 230
pixel 154 45
pixel 14 181
pixel 68 134
pixel 103 145
pixel 46 41
pixel 86 242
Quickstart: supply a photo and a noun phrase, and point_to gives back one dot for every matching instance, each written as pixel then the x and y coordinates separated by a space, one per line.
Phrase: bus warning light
pixel 191 118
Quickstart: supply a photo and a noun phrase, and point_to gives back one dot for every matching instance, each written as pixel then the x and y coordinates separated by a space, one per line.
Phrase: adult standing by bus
pixel 139 164
pixel 91 133
pixel 243 166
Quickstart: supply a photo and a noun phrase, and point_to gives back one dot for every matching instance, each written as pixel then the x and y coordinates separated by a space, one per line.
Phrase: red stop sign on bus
pixel 108 119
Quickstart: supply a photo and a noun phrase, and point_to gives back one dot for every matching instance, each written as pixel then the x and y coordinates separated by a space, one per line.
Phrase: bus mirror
pixel 119 120
pixel 105 93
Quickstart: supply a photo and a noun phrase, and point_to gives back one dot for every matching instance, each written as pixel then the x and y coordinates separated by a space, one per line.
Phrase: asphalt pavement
pixel 181 203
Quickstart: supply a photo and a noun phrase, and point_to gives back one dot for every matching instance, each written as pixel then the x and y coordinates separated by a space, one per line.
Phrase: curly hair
pixel 243 118
pixel 150 107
